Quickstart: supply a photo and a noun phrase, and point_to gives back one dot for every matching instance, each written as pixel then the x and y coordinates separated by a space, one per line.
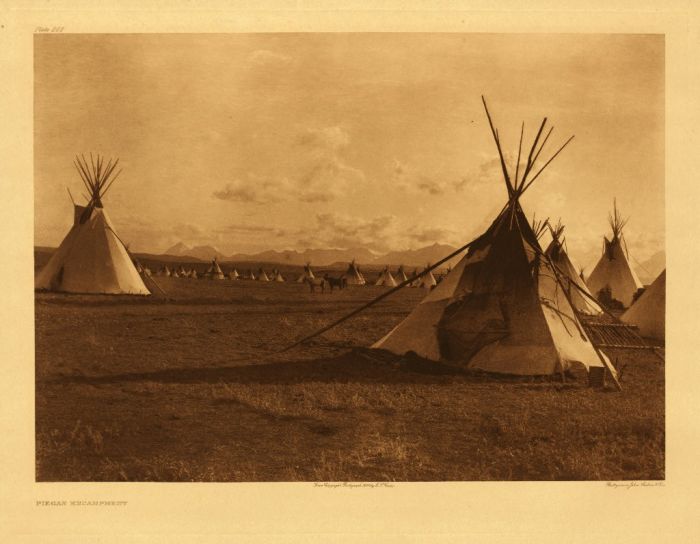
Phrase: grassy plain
pixel 190 388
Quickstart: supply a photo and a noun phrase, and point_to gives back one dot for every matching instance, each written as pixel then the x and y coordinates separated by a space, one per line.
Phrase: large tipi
pixel 648 312
pixel 503 308
pixel 353 275
pixel 92 257
pixel 385 279
pixel 578 292
pixel 613 276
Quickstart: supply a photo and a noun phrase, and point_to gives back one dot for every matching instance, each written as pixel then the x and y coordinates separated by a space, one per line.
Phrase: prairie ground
pixel 192 388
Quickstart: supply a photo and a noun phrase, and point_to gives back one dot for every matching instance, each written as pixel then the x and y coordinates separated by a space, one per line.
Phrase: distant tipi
pixel 503 308
pixel 307 273
pixel 214 272
pixel 353 275
pixel 613 277
pixel 400 276
pixel 385 279
pixel 262 276
pixel 578 292
pixel 92 257
pixel 648 312
pixel 427 281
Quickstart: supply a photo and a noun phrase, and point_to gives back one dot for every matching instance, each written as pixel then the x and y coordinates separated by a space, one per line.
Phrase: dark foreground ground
pixel 190 389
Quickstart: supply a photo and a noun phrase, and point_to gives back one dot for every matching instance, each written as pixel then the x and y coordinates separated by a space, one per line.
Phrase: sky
pixel 250 142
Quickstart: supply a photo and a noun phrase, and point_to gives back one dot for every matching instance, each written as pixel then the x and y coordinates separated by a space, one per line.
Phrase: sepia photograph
pixel 349 257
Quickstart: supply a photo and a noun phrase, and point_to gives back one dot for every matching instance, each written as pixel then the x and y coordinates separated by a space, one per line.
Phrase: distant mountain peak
pixel 177 249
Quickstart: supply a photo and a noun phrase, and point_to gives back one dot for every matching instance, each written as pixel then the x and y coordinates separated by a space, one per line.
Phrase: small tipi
pixel 214 272
pixel 576 288
pixel 427 281
pixel 233 275
pixel 416 281
pixel 385 279
pixel 613 276
pixel 307 273
pixel 503 308
pixel 400 276
pixel 648 312
pixel 92 257
pixel 353 275
pixel 164 271
pixel 262 276
pixel 278 277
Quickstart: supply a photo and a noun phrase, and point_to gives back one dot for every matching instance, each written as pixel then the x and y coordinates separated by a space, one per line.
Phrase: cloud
pixel 330 138
pixel 265 57
pixel 432 235
pixel 251 231
pixel 320 173
pixel 379 234
pixel 255 189
pixel 408 179
pixel 345 231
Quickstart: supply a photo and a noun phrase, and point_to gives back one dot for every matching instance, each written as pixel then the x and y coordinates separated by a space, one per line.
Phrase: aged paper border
pixel 447 512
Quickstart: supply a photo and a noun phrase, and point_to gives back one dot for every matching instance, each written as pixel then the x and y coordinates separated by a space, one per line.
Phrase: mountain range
pixel 321 257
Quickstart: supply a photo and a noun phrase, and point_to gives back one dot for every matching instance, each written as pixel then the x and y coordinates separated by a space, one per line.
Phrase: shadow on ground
pixel 355 366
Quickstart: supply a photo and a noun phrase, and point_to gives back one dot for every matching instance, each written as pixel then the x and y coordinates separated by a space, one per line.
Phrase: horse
pixel 340 283
pixel 316 282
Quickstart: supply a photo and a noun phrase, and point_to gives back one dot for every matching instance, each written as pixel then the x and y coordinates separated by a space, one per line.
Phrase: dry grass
pixel 196 394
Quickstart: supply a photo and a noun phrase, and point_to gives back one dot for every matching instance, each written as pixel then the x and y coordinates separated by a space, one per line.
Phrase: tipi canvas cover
pixel 262 276
pixel 233 275
pixel 385 279
pixel 214 271
pixel 307 273
pixel 92 258
pixel 577 290
pixel 278 277
pixel 401 275
pixel 502 309
pixel 354 276
pixel 613 270
pixel 648 312
pixel 427 281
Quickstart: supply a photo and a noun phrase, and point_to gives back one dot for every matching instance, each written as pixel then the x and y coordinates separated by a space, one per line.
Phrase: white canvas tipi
pixel 502 308
pixel 400 275
pixel 613 271
pixel 353 275
pixel 427 281
pixel 577 290
pixel 648 312
pixel 385 279
pixel 214 271
pixel 262 276
pixel 92 258
pixel 307 273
